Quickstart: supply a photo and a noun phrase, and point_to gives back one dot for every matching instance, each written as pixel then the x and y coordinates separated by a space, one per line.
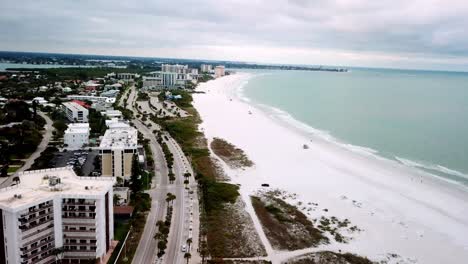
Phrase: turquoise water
pixel 419 118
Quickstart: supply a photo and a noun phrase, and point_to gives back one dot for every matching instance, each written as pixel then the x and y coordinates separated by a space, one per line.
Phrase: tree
pixel 135 180
pixel 187 256
pixel 34 106
pixel 189 242
pixel 203 251
pixel 116 199
pixel 58 253
pixel 170 198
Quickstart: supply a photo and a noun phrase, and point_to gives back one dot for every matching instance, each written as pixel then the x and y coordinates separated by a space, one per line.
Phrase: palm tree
pixel 189 242
pixel 203 251
pixel 187 256
pixel 58 253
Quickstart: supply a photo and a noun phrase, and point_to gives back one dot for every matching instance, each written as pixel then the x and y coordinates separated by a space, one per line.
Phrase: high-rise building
pixel 206 68
pixel 119 144
pixel 219 71
pixel 176 68
pixel 55 209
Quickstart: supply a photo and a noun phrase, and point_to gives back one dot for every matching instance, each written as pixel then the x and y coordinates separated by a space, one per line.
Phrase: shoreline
pixel 411 216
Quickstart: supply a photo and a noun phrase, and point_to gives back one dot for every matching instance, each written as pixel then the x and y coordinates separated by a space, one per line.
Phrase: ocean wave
pixel 322 134
pixel 432 167
pixel 285 117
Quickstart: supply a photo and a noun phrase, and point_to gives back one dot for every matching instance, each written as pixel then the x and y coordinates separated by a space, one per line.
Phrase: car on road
pixel 183 248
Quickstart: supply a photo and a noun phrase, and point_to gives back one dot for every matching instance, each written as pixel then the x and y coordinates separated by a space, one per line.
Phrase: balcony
pixel 78 231
pixel 92 244
pixel 78 237
pixel 34 226
pixel 32 230
pixel 77 215
pixel 38 236
pixel 30 219
pixel 37 209
pixel 25 256
pixel 26 251
pixel 79 203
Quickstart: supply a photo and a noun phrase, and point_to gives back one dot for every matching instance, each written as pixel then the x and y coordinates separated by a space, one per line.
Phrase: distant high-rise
pixel 206 68
pixel 56 209
pixel 219 71
pixel 176 68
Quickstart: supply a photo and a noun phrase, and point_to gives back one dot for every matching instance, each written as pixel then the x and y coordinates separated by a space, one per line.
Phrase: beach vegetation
pixel 225 227
pixel 233 156
pixel 285 225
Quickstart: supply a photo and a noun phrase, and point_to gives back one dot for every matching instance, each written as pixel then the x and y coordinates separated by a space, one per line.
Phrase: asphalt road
pixel 182 212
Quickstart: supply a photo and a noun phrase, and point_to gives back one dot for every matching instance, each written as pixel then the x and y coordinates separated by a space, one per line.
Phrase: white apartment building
pixel 119 144
pixel 206 68
pixel 75 112
pixel 100 103
pixel 219 71
pixel 76 135
pixel 54 208
pixel 127 76
pixel 111 113
pixel 166 80
pixel 176 68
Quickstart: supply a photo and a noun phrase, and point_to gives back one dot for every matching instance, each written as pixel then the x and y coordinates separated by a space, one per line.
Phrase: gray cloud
pixel 385 33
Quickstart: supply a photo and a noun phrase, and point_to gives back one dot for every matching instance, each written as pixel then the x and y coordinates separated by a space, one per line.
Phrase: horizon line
pixel 243 62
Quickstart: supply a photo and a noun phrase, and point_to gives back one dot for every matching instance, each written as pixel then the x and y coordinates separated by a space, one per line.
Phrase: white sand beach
pixel 400 210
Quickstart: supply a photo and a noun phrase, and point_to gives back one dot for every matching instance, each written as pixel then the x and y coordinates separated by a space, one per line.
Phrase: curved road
pixel 41 147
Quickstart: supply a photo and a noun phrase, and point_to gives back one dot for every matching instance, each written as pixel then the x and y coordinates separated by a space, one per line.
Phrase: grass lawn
pixel 12 169
pixel 120 229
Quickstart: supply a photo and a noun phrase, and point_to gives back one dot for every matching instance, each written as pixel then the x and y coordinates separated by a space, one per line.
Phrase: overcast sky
pixel 425 34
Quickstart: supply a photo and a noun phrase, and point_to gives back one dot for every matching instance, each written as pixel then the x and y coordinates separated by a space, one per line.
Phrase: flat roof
pixel 75 106
pixel 78 128
pixel 34 188
pixel 120 136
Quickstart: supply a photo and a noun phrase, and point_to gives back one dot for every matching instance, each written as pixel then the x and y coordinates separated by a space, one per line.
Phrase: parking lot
pixel 79 159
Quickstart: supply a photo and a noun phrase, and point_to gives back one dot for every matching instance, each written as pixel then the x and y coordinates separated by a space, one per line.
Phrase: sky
pixel 416 34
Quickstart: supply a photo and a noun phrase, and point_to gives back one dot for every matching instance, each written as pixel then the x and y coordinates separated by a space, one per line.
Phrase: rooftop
pixel 74 106
pixel 120 136
pixel 42 185
pixel 78 128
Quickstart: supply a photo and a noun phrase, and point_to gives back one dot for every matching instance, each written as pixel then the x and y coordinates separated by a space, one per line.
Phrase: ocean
pixel 417 118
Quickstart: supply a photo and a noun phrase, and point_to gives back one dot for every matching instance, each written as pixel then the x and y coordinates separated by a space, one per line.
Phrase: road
pixel 181 222
pixel 41 147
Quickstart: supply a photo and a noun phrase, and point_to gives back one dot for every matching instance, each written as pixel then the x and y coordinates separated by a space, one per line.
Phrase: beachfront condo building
pixel 219 71
pixel 75 112
pixel 167 80
pixel 119 144
pixel 52 215
pixel 206 68
pixel 77 135
pixel 175 68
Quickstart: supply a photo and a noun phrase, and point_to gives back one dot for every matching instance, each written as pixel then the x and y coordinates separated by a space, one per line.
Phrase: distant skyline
pixel 392 34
